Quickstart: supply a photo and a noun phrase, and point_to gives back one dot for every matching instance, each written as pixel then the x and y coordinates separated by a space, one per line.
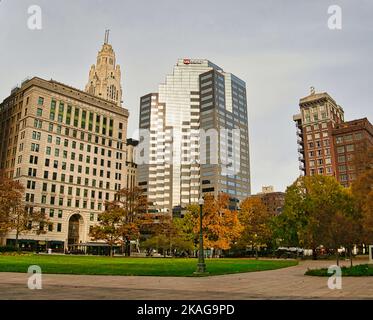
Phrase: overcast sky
pixel 279 48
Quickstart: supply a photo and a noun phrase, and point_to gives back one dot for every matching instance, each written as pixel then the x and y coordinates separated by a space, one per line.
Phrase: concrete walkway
pixel 287 283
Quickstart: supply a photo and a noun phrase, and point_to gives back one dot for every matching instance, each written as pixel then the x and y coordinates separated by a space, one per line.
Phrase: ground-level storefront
pixel 37 245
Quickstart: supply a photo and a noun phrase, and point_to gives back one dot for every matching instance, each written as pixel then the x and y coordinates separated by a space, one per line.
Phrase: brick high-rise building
pixel 319 115
pixel 327 145
pixel 353 141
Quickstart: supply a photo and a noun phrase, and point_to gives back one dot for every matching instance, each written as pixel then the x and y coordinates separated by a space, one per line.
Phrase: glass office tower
pixel 194 137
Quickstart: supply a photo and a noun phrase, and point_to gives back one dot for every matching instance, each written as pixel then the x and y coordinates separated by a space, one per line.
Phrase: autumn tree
pixel 221 227
pixel 132 203
pixel 15 215
pixel 256 221
pixel 109 227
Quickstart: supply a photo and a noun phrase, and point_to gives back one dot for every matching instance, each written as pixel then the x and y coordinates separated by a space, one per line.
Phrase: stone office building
pixel 69 149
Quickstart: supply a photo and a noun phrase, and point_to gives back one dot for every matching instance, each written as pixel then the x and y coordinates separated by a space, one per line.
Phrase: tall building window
pixel 52 110
pixel 76 117
pixel 358 136
pixel 104 120
pixel 90 122
pixel 34 147
pixel 68 114
pixel 98 119
pixel 38 123
pixel 83 120
pixel 340 149
pixel 350 148
pixel 36 135
pixel 60 112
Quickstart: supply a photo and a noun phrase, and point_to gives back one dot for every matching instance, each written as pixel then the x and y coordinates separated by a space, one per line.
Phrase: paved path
pixel 287 283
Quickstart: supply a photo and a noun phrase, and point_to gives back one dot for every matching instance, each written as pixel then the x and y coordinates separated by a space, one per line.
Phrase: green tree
pixel 318 211
pixel 362 191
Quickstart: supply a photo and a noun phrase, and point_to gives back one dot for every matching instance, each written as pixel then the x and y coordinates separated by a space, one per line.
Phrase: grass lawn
pixel 361 270
pixel 134 266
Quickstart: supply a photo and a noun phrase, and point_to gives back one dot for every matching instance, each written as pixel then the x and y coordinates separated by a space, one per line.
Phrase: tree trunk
pixel 314 254
pixel 128 247
pixel 17 231
pixel 351 256
pixel 17 235
pixel 337 254
pixel 256 252
pixel 111 250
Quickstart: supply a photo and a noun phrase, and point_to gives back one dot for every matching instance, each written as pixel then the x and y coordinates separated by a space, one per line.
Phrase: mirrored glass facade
pixel 182 163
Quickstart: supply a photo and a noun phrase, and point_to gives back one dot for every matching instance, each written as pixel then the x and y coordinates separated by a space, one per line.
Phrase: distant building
pixel 274 201
pixel 352 141
pixel 131 163
pixel 267 189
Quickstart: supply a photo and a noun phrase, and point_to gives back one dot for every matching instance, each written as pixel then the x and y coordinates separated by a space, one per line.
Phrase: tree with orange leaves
pixel 133 206
pixel 14 214
pixel 221 227
pixel 255 218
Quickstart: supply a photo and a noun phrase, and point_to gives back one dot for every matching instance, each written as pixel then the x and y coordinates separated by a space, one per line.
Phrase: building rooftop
pixel 70 92
pixel 357 124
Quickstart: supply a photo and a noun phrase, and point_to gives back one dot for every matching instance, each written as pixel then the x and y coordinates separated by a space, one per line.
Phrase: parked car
pixel 289 252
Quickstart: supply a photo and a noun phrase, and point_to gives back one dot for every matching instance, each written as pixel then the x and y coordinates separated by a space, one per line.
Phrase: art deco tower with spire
pixel 105 77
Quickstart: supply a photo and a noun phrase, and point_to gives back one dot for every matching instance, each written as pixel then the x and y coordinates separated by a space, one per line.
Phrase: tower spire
pixel 105 76
pixel 107 31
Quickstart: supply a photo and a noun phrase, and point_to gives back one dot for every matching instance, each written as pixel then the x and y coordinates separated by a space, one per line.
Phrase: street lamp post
pixel 201 266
